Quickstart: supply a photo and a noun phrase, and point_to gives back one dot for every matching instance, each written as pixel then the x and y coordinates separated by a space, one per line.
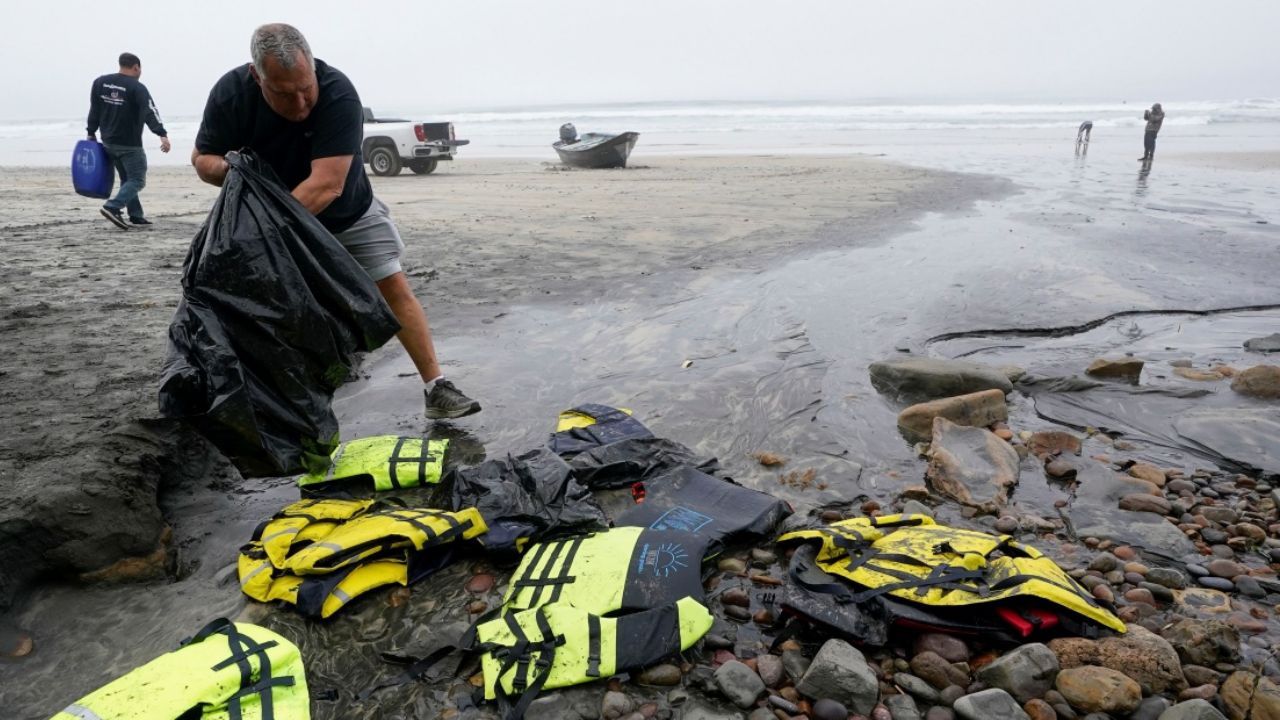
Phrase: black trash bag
pixel 273 312
pixel 530 497
pixel 620 464
pixel 691 501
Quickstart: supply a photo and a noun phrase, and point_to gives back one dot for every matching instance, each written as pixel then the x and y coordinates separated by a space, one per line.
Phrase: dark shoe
pixel 445 401
pixel 115 217
pixel 140 221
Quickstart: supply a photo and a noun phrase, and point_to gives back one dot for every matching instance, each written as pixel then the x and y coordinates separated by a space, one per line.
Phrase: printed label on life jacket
pixel 662 560
pixel 681 518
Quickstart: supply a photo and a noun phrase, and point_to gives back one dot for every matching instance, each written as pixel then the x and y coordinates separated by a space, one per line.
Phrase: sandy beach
pixel 735 302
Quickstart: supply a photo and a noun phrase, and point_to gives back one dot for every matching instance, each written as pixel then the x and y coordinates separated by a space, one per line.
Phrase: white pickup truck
pixel 391 143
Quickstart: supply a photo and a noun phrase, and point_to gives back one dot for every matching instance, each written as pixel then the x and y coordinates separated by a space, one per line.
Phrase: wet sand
pixel 84 308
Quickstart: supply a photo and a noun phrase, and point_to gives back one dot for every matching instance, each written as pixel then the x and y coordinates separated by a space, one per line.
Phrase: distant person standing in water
pixel 1154 118
pixel 1086 129
pixel 119 105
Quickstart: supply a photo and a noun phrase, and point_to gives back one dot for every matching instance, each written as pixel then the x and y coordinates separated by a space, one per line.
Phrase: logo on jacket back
pixel 662 559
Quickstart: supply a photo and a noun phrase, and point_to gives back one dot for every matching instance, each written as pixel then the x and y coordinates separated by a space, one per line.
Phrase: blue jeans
pixel 131 165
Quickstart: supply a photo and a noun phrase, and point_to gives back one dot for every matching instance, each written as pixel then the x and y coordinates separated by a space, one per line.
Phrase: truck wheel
pixel 384 161
pixel 425 166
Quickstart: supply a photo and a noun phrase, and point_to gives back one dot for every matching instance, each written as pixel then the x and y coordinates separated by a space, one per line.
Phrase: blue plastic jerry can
pixel 91 171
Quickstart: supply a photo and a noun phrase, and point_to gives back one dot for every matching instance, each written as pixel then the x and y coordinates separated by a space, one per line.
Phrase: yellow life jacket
pixel 591 606
pixel 318 555
pixel 228 671
pixel 912 558
pixel 391 462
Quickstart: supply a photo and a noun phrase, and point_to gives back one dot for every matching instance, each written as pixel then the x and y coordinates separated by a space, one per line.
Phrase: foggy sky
pixel 511 53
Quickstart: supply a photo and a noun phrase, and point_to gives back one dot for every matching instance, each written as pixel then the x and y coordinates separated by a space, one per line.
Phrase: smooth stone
pixel 939 712
pixel 1038 709
pixel 989 704
pixel 840 672
pixel 1151 708
pixel 902 707
pixel 1026 672
pixel 828 709
pixel 739 683
pixel 665 674
pixel 615 705
pixel 980 409
pixel 770 669
pixel 917 687
pixel 1204 642
pixel 949 647
pixel 1192 710
pixel 1216 583
pixel 1167 577
pixel 1099 689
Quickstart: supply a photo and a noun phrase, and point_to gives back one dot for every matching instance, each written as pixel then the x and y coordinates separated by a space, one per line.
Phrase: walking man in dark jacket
pixel 1154 118
pixel 119 105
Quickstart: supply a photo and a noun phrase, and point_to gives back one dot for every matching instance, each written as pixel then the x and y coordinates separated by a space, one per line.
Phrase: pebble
pixel 1102 592
pixel 1140 595
pixel 741 614
pixel 1007 524
pixel 1250 587
pixel 950 695
pixel 735 597
pixel 1124 552
pixel 477 607
pixel 615 705
pixel 938 712
pixel 15 643
pixel 1216 583
pixel 665 674
pixel 763 558
pixel 950 647
pixel 481 583
pixel 1058 468
pixel 1038 709
pixel 1167 577
pixel 1203 692
pixel 1102 562
pixel 718 642
pixel 784 705
pixel 1225 568
pixel 1197 570
pixel 1159 592
pixel 732 565
pixel 827 709
pixel 762 617
pixel 769 667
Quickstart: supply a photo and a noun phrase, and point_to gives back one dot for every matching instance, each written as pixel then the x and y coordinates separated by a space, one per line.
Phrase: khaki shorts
pixel 374 242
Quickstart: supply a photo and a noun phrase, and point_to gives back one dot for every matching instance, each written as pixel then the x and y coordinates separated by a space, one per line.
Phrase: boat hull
pixel 598 151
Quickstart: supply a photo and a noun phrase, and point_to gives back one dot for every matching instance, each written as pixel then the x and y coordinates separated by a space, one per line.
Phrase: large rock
pixel 1237 694
pixel 989 705
pixel 1128 369
pixel 1192 710
pixel 930 378
pixel 1140 654
pixel 1268 344
pixel 739 683
pixel 1094 513
pixel 1260 381
pixel 841 673
pixel 1245 436
pixel 1026 672
pixel 96 510
pixel 1204 642
pixel 978 409
pixel 1098 689
pixel 971 465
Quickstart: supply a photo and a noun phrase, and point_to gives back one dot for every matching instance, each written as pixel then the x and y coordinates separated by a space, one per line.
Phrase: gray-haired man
pixel 304 118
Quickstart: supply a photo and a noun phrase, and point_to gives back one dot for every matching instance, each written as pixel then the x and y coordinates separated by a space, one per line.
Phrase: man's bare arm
pixel 211 168
pixel 324 185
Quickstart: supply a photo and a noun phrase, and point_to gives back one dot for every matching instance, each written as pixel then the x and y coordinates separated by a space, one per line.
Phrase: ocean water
pixel 674 128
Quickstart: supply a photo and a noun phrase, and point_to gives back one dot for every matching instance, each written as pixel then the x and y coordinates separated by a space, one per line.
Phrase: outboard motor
pixel 568 134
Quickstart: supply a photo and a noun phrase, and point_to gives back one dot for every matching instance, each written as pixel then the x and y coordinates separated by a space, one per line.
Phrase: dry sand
pixel 84 307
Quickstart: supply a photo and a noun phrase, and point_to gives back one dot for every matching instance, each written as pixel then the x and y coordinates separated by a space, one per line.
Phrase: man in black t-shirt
pixel 304 118
pixel 119 105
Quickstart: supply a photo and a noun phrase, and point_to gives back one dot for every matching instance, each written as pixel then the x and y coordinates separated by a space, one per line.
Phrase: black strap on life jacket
pixel 520 655
pixel 593 645
pixel 242 648
pixel 556 582
pixel 422 460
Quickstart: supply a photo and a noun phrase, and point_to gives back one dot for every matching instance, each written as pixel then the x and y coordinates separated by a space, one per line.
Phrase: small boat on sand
pixel 594 150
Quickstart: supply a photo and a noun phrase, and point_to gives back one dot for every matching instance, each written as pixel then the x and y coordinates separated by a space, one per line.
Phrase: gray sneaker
pixel 446 401
pixel 115 216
